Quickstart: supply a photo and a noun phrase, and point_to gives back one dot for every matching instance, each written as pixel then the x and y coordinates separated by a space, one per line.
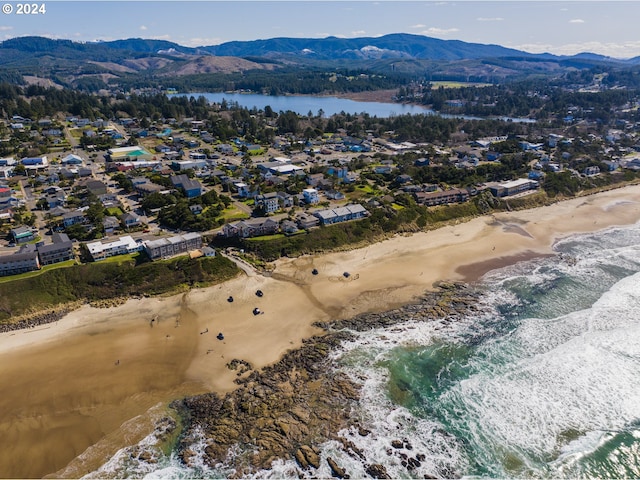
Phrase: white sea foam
pixel 578 372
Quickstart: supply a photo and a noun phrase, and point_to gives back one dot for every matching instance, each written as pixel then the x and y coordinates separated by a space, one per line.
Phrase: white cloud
pixel 419 25
pixel 490 19
pixel 162 37
pixel 5 28
pixel 576 20
pixel 143 27
pixel 201 42
pixel 439 31
pixel 358 33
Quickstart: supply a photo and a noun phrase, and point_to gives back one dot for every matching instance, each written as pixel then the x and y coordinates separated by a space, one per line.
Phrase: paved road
pixel 73 142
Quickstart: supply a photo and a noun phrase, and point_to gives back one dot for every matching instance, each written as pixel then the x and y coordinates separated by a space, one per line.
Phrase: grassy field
pixel 233 213
pixel 120 259
pixel 76 132
pixel 265 238
pixel 114 211
pixel 35 273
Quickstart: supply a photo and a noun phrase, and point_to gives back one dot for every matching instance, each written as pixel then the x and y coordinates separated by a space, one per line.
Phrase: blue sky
pixel 569 27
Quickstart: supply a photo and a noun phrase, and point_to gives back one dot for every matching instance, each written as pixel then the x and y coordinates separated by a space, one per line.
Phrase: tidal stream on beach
pixel 539 380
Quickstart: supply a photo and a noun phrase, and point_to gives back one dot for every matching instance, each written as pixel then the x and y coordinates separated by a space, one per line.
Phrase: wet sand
pixel 68 405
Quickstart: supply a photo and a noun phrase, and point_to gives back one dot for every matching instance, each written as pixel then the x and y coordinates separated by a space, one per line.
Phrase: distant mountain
pixel 399 45
pixel 147 46
pixel 596 57
pixel 93 64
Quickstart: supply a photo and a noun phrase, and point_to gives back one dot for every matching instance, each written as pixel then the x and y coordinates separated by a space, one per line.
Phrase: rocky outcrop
pixel 285 411
pixel 37 319
pixel 240 366
pixel 451 301
pixel 308 457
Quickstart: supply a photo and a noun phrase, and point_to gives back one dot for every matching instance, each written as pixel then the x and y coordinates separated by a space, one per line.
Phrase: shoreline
pixel 178 355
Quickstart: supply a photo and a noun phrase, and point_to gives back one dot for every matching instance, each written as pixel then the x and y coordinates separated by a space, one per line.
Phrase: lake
pixel 302 104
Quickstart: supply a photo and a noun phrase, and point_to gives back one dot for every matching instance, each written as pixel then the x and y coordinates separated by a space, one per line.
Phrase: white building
pixel 122 246
pixel 72 159
pixel 310 196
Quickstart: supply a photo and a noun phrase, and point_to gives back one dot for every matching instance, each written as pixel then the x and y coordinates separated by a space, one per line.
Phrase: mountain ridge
pixel 67 60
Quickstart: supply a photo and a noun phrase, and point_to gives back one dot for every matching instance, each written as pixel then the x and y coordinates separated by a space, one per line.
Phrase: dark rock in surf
pixel 377 470
pixel 336 470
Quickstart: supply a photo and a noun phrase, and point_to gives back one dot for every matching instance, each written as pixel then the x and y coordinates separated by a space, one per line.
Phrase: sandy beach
pixel 80 388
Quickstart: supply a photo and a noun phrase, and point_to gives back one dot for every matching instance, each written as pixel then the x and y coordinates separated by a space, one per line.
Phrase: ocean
pixel 540 381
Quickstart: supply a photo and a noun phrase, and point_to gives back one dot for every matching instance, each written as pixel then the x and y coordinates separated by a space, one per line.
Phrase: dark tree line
pixel 307 82
pixel 540 99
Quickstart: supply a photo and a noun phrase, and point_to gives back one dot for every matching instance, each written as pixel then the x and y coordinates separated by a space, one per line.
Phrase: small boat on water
pixel 230 299
pixel 259 293
pixel 220 336
pixel 256 311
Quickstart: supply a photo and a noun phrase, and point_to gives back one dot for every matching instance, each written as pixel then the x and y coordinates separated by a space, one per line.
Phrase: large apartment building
pixel 176 245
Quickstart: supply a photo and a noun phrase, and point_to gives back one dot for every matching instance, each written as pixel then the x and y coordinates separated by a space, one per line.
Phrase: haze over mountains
pixel 395 52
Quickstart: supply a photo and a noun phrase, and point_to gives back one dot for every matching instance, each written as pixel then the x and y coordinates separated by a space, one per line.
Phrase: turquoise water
pixel 540 382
